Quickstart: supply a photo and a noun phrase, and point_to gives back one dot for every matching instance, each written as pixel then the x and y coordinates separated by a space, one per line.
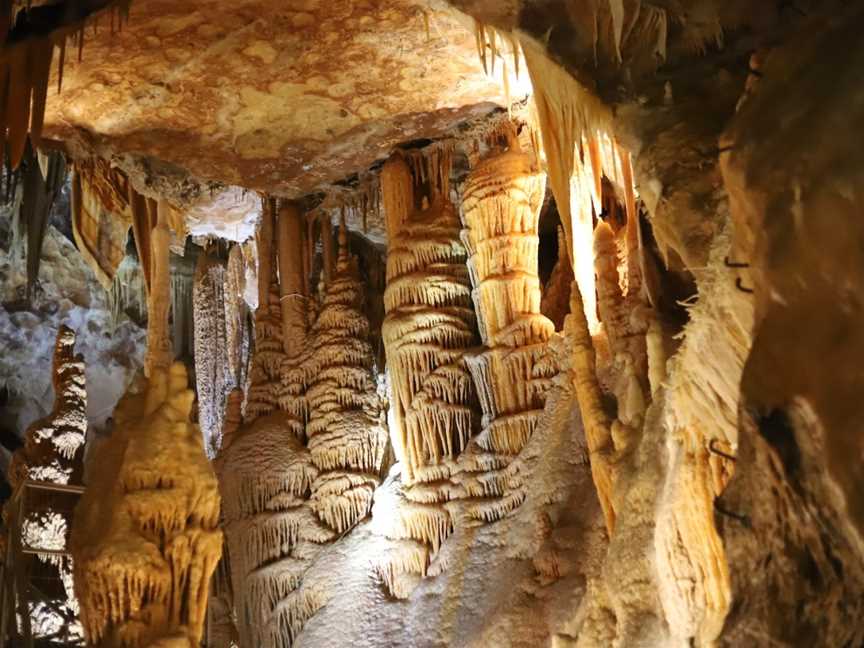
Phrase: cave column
pixel 428 327
pixel 429 323
pixel 503 196
pixel 327 246
pixel 292 278
pixel 159 355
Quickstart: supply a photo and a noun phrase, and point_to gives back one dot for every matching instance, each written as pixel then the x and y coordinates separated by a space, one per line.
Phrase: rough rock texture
pixel 302 468
pixel 429 323
pixel 796 202
pixel 501 204
pixel 346 431
pixel 267 96
pixel 53 452
pixel 68 294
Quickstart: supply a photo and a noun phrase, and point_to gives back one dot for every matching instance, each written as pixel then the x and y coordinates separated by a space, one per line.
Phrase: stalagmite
pixel 145 539
pixel 266 472
pixel 53 446
pixel 53 452
pixel 501 205
pixel 428 327
pixel 347 438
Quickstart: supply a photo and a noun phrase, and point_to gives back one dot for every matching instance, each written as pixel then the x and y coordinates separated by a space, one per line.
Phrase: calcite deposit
pixel 468 322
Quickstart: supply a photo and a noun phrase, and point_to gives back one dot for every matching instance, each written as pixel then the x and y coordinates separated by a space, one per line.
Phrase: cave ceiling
pixel 282 98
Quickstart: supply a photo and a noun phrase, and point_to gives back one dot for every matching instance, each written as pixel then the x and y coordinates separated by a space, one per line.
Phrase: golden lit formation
pixel 421 323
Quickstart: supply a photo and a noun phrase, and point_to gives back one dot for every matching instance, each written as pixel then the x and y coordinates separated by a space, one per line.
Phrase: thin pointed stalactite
pixel 41 188
pixel 29 36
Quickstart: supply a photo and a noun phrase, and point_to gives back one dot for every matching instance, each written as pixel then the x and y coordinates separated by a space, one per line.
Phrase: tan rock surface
pixel 266 95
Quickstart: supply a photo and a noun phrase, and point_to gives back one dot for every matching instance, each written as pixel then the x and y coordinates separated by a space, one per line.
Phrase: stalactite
pixel 28 48
pixel 327 247
pixel 595 420
pixel 143 221
pixel 501 205
pixel 145 539
pixel 128 291
pixel 237 333
pixel 624 321
pixel 212 369
pixel 182 308
pixel 293 273
pixel 573 124
pixel 41 188
pixel 100 215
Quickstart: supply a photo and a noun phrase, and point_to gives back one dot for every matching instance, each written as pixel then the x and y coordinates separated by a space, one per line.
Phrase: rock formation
pixel 146 538
pixel 429 325
pixel 303 466
pixel 501 205
pixel 645 435
pixel 347 436
pixel 54 446
pixel 212 368
pixel 427 330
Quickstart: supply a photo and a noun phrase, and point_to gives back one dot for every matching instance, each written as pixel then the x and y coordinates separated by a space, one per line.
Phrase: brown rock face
pixel 794 178
pixel 268 95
